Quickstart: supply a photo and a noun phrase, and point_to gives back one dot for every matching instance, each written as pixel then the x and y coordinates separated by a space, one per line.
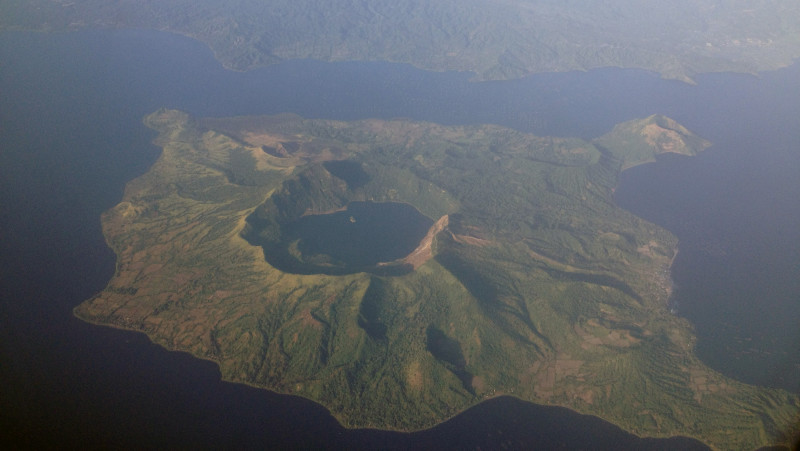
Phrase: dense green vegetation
pixel 535 283
pixel 496 39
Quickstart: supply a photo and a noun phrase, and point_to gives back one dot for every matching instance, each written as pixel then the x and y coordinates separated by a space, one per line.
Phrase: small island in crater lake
pixel 399 272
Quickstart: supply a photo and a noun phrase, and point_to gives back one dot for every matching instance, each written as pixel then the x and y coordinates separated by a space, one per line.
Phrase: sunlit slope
pixel 534 284
pixel 497 39
pixel 639 141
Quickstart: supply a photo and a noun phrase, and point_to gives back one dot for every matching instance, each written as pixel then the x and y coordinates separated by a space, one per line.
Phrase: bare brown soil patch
pixel 650 250
pixel 702 382
pixel 414 376
pixel 594 334
pixel 308 320
pixel 663 139
pixel 478 384
pixel 548 374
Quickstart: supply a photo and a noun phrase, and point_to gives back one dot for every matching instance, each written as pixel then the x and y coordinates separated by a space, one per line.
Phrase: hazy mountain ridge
pixel 539 286
pixel 496 39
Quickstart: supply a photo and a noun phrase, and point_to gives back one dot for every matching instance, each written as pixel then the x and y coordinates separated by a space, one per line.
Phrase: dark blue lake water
pixel 346 242
pixel 71 137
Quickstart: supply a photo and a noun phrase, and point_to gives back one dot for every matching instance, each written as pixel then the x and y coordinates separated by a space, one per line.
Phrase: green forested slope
pixel 534 283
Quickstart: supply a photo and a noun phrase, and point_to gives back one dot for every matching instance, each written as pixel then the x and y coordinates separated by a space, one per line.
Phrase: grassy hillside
pixel 496 39
pixel 639 141
pixel 534 283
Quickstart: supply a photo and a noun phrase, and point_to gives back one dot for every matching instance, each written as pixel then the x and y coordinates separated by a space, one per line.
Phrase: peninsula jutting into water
pixel 537 285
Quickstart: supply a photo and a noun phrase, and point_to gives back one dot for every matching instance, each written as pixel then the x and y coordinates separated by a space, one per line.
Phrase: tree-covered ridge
pixel 537 285
pixel 497 39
